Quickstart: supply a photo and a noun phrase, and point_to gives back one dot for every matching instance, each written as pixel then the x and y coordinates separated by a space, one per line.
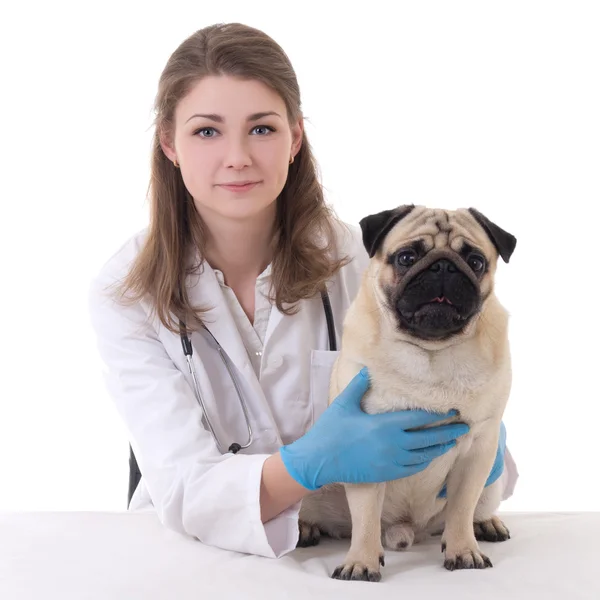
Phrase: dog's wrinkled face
pixel 434 268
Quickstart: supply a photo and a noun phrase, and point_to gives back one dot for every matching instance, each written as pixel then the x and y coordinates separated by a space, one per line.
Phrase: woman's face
pixel 233 143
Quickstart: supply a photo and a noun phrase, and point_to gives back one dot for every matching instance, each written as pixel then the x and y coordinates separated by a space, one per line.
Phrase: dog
pixel 428 326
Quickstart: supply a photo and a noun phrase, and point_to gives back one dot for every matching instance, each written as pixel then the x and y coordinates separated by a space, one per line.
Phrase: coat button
pixel 275 362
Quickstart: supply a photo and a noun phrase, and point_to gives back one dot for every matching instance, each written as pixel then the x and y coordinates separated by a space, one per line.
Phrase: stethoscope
pixel 188 351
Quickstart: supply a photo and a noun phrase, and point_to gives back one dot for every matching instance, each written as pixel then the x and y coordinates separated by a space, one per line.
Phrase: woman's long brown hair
pixel 305 254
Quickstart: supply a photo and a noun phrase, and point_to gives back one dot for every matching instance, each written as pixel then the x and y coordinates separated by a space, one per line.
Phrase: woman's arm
pixel 194 489
pixel 278 489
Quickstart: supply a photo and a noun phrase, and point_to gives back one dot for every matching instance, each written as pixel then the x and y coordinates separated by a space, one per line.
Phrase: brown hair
pixel 305 254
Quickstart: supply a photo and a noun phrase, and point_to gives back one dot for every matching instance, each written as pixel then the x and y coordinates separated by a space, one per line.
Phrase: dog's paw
pixel 359 571
pixel 492 530
pixel 398 537
pixel 309 535
pixel 465 558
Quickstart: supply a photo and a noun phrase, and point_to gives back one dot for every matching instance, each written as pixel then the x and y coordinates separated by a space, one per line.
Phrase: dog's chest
pixel 419 380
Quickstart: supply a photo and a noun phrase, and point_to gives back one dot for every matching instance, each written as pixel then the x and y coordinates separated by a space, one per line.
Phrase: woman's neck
pixel 241 250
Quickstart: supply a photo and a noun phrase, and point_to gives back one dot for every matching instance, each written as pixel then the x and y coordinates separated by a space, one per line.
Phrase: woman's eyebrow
pixel 219 119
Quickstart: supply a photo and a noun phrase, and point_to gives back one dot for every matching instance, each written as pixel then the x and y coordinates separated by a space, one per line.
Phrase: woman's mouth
pixel 239 186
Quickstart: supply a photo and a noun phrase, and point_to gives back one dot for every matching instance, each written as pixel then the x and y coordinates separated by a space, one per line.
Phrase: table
pixel 130 556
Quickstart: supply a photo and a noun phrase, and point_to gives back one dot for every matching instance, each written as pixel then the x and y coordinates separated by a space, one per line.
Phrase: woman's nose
pixel 237 155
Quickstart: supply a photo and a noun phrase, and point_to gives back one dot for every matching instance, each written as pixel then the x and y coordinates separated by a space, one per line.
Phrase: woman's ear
pixel 297 135
pixel 166 145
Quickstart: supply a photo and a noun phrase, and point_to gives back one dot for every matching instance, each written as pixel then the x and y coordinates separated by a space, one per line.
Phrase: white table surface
pixel 130 556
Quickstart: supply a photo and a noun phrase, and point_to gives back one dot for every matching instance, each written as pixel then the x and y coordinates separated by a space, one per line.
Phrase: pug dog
pixel 433 335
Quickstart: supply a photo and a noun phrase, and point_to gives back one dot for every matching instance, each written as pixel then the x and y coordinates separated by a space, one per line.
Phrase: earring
pixel 176 164
pixel 291 159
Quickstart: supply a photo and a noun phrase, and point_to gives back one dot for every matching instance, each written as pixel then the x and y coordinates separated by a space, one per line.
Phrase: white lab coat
pixel 193 488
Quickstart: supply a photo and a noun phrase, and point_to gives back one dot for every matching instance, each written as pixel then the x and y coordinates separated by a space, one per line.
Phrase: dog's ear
pixel 503 241
pixel 376 227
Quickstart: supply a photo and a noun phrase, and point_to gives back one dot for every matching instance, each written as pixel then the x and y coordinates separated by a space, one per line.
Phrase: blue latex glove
pixel 347 445
pixel 498 466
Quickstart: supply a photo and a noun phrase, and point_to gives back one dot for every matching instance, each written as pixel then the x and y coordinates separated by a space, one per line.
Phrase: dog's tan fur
pixel 470 372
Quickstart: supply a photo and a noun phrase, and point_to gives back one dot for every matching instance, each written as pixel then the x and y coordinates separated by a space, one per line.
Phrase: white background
pixel 450 104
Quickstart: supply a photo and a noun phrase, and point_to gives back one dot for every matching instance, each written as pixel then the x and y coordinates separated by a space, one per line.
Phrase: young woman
pixel 217 324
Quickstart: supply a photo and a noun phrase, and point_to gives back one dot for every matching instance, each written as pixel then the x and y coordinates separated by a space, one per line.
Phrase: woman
pixel 239 248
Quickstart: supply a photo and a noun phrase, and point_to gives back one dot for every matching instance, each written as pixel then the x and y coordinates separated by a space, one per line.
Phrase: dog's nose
pixel 443 265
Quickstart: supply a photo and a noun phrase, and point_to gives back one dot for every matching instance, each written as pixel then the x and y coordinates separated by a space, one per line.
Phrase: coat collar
pixel 204 292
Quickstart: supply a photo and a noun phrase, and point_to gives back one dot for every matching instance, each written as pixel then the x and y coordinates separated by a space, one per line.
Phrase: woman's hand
pixel 498 465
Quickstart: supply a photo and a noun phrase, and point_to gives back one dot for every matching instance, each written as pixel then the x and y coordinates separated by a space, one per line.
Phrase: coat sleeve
pixel 511 475
pixel 194 488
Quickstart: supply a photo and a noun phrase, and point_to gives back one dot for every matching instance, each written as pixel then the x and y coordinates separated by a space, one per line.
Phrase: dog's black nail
pixel 373 576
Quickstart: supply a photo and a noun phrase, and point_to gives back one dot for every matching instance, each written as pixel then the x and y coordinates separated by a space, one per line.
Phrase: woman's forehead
pixel 224 98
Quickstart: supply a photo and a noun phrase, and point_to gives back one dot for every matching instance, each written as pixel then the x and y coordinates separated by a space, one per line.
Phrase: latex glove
pixel 347 445
pixel 498 466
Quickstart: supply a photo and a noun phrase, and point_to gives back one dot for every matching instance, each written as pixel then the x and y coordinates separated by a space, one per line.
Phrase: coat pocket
pixel 321 365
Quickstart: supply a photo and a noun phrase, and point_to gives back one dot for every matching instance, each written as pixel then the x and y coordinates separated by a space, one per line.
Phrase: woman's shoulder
pixel 110 317
pixel 107 279
pixel 350 247
pixel 350 244
pixel 117 264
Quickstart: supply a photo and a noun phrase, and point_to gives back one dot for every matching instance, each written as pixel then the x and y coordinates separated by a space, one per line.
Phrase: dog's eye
pixel 406 258
pixel 476 262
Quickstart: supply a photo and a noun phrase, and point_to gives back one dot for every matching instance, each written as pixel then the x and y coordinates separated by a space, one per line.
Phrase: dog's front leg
pixel 366 552
pixel 466 482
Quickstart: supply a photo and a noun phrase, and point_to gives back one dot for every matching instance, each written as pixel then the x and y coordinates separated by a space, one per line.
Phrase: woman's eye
pixel 263 129
pixel 206 132
pixel 476 262
pixel 406 258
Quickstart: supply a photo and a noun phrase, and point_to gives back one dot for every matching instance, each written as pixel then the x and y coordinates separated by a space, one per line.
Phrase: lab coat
pixel 194 488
